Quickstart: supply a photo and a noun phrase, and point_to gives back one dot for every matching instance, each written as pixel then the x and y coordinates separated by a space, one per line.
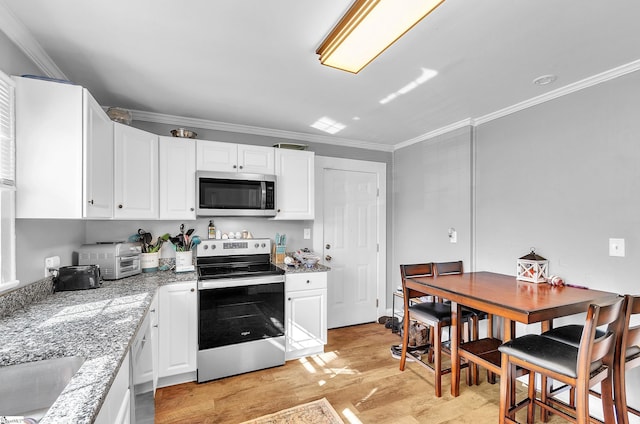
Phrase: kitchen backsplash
pixel 25 295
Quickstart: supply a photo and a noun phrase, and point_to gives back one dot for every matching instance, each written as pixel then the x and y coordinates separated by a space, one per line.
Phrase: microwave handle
pixel 263 186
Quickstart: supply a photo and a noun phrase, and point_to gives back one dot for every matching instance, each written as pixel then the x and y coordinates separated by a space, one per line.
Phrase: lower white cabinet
pixel 177 333
pixel 153 313
pixel 116 408
pixel 305 314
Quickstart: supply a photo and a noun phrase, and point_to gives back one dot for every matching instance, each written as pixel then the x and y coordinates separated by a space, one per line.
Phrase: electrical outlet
pixel 52 262
pixel 616 247
pixel 307 233
pixel 453 235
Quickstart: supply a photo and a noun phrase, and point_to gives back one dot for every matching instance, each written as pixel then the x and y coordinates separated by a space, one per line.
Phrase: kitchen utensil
pixel 184 133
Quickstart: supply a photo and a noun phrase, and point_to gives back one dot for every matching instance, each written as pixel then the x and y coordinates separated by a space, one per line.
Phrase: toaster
pixel 77 278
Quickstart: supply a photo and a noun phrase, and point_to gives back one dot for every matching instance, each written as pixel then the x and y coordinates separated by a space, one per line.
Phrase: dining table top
pixel 505 296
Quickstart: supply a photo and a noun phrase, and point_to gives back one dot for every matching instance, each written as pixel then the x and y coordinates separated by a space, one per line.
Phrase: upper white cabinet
pixel 295 187
pixel 177 178
pixel 231 157
pixel 136 173
pixel 64 152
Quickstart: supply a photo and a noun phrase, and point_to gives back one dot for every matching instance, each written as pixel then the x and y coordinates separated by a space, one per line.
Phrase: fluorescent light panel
pixel 328 125
pixel 368 28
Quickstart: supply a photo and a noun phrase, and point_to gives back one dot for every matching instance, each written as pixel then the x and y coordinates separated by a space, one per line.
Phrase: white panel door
pixel 98 160
pixel 350 240
pixel 256 159
pixel 136 173
pixel 177 178
pixel 216 156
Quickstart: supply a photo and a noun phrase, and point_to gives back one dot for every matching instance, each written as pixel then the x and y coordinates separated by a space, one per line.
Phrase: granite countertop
pixel 98 325
pixel 299 268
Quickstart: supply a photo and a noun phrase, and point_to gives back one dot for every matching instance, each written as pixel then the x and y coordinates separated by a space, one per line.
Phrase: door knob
pixel 328 246
pixel 328 257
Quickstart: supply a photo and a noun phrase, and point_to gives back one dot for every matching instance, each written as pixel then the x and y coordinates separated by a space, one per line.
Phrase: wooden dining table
pixel 503 296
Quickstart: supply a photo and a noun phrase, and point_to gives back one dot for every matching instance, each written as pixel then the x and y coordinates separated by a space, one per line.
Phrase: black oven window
pixel 240 314
pixel 230 194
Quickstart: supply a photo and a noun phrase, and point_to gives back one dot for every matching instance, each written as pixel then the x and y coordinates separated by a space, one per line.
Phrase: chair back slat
pixel 594 349
pixel 448 268
pixel 632 334
pixel 416 270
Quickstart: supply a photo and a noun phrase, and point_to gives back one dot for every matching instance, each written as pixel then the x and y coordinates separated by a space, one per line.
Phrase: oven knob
pixel 263 245
pixel 256 245
pixel 206 246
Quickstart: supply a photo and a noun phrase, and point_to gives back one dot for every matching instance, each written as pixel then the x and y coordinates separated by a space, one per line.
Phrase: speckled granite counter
pixel 299 268
pixel 97 325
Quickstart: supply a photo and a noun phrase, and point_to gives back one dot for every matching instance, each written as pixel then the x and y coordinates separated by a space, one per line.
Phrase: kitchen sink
pixel 30 389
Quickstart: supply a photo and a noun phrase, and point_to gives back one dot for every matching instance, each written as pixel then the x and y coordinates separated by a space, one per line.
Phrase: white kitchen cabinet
pixel 177 331
pixel 177 178
pixel 295 187
pixel 305 314
pixel 136 173
pixel 231 157
pixel 116 408
pixel 154 315
pixel 64 152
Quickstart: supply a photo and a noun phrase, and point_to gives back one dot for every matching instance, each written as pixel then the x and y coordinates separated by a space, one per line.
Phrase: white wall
pixel 432 193
pixel 563 177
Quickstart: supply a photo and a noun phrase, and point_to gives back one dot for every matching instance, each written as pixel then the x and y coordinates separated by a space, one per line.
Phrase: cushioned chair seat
pixel 434 311
pixel 570 334
pixel 545 352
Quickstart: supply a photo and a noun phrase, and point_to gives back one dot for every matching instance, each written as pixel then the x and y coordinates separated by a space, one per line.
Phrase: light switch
pixel 616 247
pixel 307 233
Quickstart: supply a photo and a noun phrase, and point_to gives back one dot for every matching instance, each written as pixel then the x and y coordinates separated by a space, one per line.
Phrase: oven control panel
pixel 216 247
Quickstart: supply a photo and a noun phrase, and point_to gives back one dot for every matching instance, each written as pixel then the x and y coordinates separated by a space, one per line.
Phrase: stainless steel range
pixel 240 307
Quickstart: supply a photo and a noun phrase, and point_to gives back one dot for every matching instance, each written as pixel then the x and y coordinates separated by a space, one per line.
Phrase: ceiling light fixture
pixel 368 28
pixel 545 79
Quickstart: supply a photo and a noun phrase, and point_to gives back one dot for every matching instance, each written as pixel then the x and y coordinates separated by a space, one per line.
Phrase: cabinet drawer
pixel 306 281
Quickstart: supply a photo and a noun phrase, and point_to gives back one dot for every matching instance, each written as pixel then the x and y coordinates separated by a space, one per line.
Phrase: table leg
pixel 455 355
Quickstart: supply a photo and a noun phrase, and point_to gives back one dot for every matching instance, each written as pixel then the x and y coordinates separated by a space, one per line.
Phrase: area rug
pixel 317 412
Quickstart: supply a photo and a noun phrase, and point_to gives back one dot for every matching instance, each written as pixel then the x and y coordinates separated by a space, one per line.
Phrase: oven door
pixel 240 310
pixel 240 325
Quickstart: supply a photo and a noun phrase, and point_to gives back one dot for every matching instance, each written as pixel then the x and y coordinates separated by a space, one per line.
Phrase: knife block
pixel 279 253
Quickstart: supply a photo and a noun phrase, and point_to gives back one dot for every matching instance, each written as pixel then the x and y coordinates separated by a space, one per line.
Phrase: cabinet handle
pixel 308 281
pixel 153 310
pixel 119 206
pixel 234 166
pixel 155 325
pixel 278 210
pixel 240 166
pixel 191 209
pixel 192 290
pixel 289 299
pixel 91 202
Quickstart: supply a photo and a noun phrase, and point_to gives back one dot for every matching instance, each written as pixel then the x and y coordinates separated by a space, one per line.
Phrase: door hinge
pixel 378 247
pixel 377 192
pixel 376 303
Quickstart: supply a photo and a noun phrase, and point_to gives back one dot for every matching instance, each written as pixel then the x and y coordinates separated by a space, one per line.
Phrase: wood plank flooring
pixel 356 374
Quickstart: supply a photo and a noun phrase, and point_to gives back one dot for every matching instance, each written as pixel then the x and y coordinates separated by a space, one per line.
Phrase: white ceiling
pixel 252 63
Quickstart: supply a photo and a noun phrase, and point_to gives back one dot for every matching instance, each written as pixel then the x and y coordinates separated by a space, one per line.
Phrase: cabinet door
pixel 306 331
pixel 216 156
pixel 177 178
pixel 48 149
pixel 116 407
pixel 97 160
pixel 153 311
pixel 256 159
pixel 136 173
pixel 178 341
pixel 295 189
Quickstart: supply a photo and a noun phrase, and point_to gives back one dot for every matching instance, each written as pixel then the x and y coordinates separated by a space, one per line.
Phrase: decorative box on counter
pixel 533 268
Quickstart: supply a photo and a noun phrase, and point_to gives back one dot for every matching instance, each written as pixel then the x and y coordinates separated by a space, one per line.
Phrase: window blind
pixel 7 134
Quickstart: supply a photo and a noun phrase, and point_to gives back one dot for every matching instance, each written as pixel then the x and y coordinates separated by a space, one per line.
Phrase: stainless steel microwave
pixel 235 194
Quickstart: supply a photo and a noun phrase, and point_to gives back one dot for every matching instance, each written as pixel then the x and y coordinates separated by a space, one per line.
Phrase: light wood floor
pixel 356 374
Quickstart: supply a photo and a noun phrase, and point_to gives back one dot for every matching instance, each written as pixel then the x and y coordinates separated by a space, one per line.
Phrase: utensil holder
pixel 184 261
pixel 149 262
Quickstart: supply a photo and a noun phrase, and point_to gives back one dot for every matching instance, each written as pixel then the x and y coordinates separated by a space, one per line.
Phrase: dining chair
pixel 627 356
pixel 435 314
pixel 580 367
pixel 455 268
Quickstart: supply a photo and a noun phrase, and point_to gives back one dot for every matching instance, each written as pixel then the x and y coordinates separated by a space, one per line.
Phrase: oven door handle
pixel 220 283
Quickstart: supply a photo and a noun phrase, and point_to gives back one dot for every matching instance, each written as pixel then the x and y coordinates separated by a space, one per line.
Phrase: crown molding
pixel 562 91
pixel 18 33
pixel 182 121
pixel 435 133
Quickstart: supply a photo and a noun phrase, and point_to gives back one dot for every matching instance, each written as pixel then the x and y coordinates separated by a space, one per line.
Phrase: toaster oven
pixel 116 259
